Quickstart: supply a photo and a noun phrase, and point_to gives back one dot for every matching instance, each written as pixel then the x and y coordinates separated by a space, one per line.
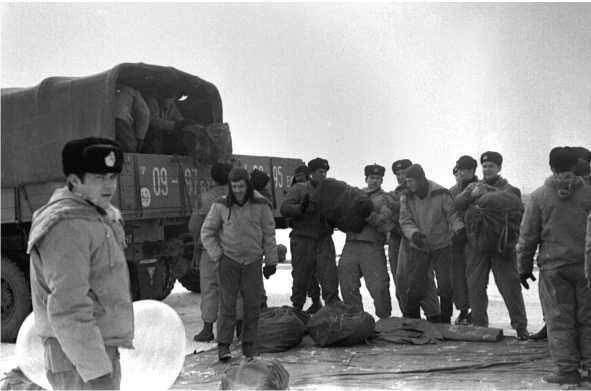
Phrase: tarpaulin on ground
pixel 508 364
pixel 421 332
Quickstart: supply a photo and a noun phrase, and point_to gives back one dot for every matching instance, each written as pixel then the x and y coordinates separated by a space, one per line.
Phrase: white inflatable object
pixel 30 353
pixel 159 353
pixel 154 364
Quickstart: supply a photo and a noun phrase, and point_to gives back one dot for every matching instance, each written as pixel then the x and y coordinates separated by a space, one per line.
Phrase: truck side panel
pixel 279 169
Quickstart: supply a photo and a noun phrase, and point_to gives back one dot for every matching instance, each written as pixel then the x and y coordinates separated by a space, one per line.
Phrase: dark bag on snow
pixel 492 222
pixel 256 374
pixel 280 329
pixel 338 325
pixel 345 207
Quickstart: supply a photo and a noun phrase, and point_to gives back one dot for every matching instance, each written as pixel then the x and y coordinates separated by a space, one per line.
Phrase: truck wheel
pixel 169 282
pixel 153 281
pixel 191 281
pixel 16 299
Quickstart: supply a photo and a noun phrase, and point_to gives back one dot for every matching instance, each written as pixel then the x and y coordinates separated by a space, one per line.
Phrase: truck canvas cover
pixel 37 121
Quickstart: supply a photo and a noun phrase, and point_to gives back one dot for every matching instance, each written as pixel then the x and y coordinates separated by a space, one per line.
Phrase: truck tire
pixel 144 287
pixel 191 281
pixel 16 299
pixel 170 280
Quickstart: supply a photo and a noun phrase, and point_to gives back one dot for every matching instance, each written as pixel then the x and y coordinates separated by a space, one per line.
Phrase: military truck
pixel 156 192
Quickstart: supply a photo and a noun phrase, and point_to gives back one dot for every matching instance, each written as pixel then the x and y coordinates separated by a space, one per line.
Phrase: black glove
pixel 460 237
pixel 305 203
pixel 269 270
pixel 524 277
pixel 418 239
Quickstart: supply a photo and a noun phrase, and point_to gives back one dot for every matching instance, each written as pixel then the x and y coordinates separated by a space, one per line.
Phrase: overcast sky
pixel 353 83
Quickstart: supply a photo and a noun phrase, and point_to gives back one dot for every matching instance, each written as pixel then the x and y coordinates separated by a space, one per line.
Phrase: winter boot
pixel 464 317
pixel 541 334
pixel 412 309
pixel 206 334
pixel 248 350
pixel 572 377
pixel 314 307
pixel 224 352
pixel 522 334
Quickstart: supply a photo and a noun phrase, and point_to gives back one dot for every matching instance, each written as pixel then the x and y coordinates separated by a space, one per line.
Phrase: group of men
pixel 80 281
pixel 431 260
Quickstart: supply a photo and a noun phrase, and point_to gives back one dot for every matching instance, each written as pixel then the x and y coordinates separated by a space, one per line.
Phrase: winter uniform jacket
pixel 241 233
pixel 379 222
pixel 80 280
pixel 555 219
pixel 465 199
pixel 435 216
pixel 310 225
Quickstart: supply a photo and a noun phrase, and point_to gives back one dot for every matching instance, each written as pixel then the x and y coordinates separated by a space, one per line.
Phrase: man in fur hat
pixel 503 265
pixel 363 254
pixel 428 220
pixel 238 230
pixel 312 248
pixel 466 174
pixel 555 221
pixel 79 275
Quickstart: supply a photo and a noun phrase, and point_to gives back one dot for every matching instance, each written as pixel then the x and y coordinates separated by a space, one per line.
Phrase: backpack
pixel 280 329
pixel 339 325
pixel 492 222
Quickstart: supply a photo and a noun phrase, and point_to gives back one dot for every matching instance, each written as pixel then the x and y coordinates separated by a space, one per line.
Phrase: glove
pixel 269 270
pixel 305 205
pixel 460 237
pixel 418 239
pixel 524 277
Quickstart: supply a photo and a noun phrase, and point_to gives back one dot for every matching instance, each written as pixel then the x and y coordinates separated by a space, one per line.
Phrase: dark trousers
pixel 504 268
pixel 420 261
pixel 566 301
pixel 458 277
pixel 62 374
pixel 314 289
pixel 237 278
pixel 310 255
